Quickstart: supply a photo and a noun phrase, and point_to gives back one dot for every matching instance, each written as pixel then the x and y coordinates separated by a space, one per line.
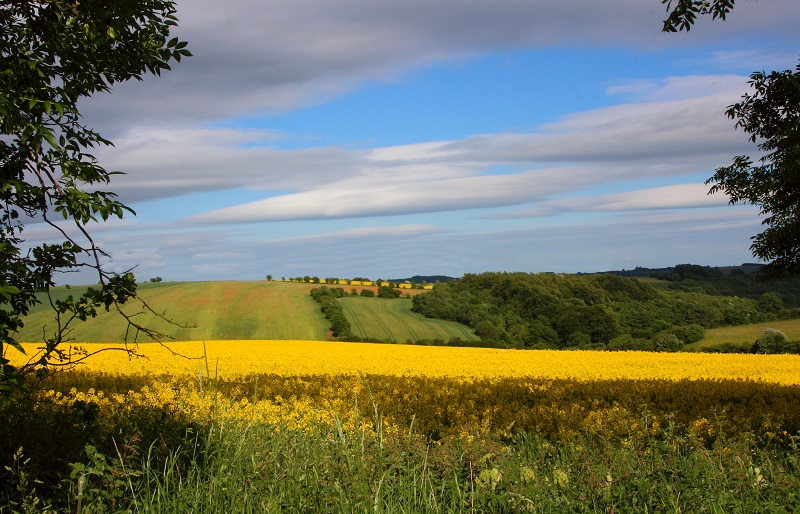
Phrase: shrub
pixel 771 341
pixel 725 348
pixel 689 333
pixel 388 292
pixel 667 342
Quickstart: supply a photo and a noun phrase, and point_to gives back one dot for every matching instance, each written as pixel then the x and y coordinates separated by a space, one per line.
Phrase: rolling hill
pixel 245 310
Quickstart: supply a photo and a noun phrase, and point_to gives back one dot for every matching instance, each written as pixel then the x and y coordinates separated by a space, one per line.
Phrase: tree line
pixel 603 311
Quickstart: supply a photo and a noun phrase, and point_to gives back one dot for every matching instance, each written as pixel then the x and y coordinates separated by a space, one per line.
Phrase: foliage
pixel 388 292
pixel 689 333
pixel 326 297
pixel 780 294
pixel 346 443
pixel 565 311
pixel 771 341
pixel 683 13
pixel 771 115
pixel 244 467
pixel 456 413
pixel 54 54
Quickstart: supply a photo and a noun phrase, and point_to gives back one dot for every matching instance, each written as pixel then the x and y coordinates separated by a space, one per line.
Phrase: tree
pixel 771 341
pixel 685 12
pixel 771 115
pixel 53 53
pixel 269 277
pixel 388 292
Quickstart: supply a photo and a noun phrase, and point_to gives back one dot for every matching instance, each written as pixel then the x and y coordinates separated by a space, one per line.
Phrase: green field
pixel 748 333
pixel 246 310
pixel 392 320
pixel 218 310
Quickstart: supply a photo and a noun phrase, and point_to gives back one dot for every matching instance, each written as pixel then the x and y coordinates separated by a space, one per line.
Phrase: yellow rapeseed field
pixel 307 385
pixel 232 359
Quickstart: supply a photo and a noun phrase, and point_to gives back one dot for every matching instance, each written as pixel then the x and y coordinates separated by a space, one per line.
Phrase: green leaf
pixel 6 291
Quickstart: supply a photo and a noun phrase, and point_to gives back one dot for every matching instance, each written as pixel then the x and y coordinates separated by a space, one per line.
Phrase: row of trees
pixel 327 298
pixel 349 281
pixel 773 296
pixel 588 311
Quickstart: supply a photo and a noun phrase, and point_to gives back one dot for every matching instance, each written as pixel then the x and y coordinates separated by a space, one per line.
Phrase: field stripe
pixel 380 322
pixel 400 318
pixel 361 332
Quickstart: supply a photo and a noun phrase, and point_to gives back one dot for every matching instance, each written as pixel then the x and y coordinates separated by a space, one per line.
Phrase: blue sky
pixel 388 139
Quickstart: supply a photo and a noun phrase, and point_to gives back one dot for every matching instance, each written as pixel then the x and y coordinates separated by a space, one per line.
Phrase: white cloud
pixel 250 56
pixel 684 135
pixel 678 196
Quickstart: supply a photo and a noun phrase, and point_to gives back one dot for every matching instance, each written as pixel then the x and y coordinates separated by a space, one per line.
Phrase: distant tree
pixel 156 279
pixel 269 277
pixel 367 292
pixel 667 342
pixel 388 292
pixel 770 302
pixel 688 333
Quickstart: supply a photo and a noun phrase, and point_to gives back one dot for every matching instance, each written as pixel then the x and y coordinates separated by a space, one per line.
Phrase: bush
pixel 388 292
pixel 367 292
pixel 689 333
pixel 792 347
pixel 725 348
pixel 667 342
pixel 771 341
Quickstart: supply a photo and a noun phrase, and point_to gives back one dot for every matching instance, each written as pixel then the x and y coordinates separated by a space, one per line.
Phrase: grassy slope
pixel 392 320
pixel 220 310
pixel 748 333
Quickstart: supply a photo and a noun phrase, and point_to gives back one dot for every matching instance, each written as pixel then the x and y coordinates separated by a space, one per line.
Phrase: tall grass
pixel 235 467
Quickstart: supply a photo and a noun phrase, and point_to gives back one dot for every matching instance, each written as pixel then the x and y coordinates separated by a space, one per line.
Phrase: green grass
pixel 747 333
pixel 392 320
pixel 218 310
pixel 252 467
pixel 246 310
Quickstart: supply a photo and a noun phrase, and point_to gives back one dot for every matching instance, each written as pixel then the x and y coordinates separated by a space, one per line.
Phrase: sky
pixel 388 139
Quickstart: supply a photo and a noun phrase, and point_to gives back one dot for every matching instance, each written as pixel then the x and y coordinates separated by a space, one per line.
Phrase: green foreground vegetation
pixel 150 460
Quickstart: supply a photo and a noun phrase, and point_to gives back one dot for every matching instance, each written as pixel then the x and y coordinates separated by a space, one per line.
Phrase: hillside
pixel 392 320
pixel 218 310
pixel 249 310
